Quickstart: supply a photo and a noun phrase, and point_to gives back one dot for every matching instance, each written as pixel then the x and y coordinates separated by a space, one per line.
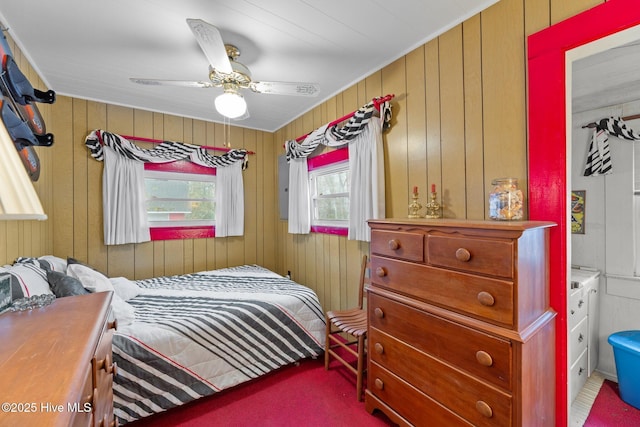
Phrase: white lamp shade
pixel 231 104
pixel 18 198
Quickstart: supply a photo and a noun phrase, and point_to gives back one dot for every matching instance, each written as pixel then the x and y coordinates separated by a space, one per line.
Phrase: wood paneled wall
pixel 28 238
pixel 77 205
pixel 459 120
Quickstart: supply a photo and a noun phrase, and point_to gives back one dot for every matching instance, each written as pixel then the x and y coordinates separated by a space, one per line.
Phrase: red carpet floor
pixel 304 395
pixel 609 410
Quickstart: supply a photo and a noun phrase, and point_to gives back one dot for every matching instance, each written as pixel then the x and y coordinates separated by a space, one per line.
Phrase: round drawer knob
pixel 463 255
pixel 379 384
pixel 486 299
pixel 379 348
pixel 113 325
pixel 381 272
pixel 484 409
pixel 484 358
pixel 394 245
pixel 378 312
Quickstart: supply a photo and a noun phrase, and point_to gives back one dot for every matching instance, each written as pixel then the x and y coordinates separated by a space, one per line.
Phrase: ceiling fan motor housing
pixel 239 77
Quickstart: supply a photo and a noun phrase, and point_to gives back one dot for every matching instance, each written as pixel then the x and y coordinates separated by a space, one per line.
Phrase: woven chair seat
pixel 352 322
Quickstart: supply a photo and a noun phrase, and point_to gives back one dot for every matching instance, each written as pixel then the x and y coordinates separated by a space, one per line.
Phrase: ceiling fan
pixel 226 72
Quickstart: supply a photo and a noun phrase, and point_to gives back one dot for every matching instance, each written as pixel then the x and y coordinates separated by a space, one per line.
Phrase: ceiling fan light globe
pixel 231 105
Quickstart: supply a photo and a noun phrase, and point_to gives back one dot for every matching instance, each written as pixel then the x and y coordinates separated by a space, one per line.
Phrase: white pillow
pixel 92 280
pixel 27 279
pixel 122 311
pixel 125 288
pixel 56 263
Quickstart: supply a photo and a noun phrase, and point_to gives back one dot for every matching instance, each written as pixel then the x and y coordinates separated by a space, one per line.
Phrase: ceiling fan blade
pixel 286 88
pixel 211 43
pixel 181 83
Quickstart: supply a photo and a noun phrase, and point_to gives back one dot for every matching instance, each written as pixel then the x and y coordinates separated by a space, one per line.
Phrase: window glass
pixel 180 199
pixel 329 191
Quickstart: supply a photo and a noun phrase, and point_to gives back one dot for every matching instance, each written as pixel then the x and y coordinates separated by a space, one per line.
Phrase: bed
pixel 180 338
pixel 197 334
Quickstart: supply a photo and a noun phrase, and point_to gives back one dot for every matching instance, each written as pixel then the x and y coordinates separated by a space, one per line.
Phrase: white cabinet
pixel 583 327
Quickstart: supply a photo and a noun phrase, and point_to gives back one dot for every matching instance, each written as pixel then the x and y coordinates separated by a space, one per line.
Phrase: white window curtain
pixel 366 192
pixel 366 165
pixel 123 199
pixel 229 201
pixel 299 203
pixel 124 195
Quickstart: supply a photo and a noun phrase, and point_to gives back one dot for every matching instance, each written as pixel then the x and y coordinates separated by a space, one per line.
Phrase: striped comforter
pixel 197 334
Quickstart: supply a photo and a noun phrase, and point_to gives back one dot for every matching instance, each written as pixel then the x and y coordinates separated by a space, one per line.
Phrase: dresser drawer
pixel 477 296
pixel 475 255
pixel 577 306
pixel 578 338
pixel 103 370
pixel 82 409
pixel 415 406
pixel 477 353
pixel 578 375
pixel 398 244
pixel 459 392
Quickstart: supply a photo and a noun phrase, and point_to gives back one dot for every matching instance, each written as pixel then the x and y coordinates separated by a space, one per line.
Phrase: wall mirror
pixel 550 123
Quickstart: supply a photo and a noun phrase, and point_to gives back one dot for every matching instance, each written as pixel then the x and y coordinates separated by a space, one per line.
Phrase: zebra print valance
pixel 334 136
pixel 599 157
pixel 167 151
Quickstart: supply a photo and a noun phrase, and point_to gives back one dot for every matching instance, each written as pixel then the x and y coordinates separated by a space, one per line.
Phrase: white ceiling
pixel 89 49
pixel 607 78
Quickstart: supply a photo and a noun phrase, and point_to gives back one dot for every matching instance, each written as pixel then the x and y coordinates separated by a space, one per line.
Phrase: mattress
pixel 195 335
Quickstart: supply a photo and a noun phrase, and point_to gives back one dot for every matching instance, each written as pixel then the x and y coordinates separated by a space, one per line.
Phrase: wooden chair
pixel 353 323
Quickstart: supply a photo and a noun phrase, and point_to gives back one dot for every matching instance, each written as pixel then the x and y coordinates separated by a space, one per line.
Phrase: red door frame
pixel 548 198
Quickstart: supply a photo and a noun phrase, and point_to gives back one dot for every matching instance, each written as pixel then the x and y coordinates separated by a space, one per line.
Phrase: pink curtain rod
pixel 159 141
pixel 376 103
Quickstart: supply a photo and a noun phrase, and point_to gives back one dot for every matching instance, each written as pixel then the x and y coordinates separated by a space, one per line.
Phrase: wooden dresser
pixel 56 364
pixel 460 329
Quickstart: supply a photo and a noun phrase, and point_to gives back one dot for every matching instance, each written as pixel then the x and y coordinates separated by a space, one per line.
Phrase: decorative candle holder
pixel 433 207
pixel 414 206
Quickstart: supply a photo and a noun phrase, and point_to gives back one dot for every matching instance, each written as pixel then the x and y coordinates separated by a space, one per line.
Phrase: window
pixel 180 201
pixel 329 192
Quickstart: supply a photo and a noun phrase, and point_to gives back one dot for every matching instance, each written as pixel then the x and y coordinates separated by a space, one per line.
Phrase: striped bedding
pixel 197 334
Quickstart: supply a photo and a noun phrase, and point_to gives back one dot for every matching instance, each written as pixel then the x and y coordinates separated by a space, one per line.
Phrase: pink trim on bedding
pixel 295 320
pixel 173 362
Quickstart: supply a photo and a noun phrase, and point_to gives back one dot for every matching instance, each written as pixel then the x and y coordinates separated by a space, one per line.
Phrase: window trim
pixel 324 160
pixel 181 232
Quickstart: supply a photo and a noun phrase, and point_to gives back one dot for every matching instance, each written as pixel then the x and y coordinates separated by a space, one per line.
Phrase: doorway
pixel 549 145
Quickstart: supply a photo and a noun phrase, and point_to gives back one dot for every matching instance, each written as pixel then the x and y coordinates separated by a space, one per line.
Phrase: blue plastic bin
pixel 626 351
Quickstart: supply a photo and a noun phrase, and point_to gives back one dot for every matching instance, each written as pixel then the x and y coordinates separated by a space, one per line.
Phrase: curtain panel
pixel 124 201
pixel 363 134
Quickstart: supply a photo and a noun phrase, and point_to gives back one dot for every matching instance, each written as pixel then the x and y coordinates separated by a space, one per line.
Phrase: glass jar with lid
pixel 505 200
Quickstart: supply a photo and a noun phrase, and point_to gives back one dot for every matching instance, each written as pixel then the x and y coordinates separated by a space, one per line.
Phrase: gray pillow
pixel 64 286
